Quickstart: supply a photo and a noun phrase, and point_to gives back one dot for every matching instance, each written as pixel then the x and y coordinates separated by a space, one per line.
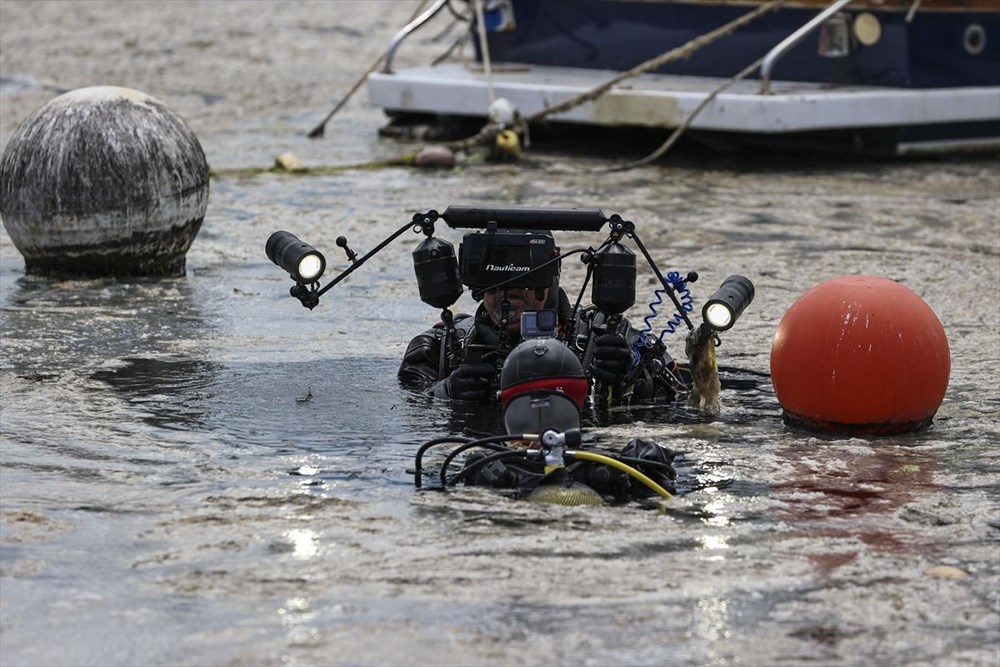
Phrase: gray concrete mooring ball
pixel 103 181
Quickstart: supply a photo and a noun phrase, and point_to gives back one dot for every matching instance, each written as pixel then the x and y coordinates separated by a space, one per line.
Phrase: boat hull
pixel 906 93
pixel 927 49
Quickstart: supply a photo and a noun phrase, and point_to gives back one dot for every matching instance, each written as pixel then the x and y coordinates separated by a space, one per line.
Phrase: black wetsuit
pixel 615 486
pixel 649 379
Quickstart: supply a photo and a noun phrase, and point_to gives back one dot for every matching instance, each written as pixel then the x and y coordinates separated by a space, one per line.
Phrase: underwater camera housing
pixel 497 256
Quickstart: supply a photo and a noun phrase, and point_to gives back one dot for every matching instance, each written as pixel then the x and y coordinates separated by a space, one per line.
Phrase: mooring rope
pixel 676 134
pixel 683 51
pixel 489 132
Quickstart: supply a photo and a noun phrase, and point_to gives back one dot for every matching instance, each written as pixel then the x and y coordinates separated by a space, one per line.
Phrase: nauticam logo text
pixel 506 267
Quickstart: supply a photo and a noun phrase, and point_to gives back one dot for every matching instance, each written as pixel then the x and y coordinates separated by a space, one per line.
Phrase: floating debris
pixel 288 162
pixel 947 572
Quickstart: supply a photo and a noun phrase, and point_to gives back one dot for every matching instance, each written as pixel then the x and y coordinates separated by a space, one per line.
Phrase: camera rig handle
pixel 524 218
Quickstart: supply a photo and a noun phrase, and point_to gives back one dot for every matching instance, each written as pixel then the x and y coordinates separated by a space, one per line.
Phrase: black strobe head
pixel 613 290
pixel 303 262
pixel 497 256
pixel 727 304
pixel 437 272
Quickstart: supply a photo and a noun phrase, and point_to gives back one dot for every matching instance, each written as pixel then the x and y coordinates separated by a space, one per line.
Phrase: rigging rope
pixel 683 51
pixel 484 49
pixel 676 134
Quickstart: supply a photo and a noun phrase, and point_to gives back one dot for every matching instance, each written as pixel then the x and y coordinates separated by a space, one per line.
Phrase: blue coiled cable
pixel 687 303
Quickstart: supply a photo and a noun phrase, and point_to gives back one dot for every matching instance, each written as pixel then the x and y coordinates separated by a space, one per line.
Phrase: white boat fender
pixel 503 112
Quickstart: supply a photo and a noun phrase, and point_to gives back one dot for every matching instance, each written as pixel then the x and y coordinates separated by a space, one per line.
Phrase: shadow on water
pixel 349 412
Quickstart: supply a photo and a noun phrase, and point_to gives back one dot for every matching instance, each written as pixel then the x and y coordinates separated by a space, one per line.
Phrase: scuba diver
pixel 611 355
pixel 538 357
pixel 542 389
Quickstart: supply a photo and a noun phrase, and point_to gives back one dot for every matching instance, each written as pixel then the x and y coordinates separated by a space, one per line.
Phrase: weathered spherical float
pixel 103 181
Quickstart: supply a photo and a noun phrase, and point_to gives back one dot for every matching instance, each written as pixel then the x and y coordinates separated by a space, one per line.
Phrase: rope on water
pixel 672 139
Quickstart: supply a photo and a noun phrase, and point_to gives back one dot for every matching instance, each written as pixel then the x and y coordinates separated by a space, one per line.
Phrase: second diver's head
pixel 542 387
pixel 511 264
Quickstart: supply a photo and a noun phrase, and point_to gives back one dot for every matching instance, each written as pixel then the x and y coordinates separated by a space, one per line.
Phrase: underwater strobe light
pixel 727 304
pixel 303 262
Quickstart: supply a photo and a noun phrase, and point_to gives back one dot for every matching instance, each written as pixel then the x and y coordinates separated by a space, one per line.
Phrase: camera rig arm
pixel 621 227
pixel 309 294
pixel 611 266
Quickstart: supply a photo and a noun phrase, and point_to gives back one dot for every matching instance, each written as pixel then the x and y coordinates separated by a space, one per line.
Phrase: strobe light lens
pixel 727 304
pixel 310 267
pixel 303 262
pixel 718 316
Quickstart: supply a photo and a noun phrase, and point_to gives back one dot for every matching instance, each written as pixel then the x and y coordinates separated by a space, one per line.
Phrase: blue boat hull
pixel 928 51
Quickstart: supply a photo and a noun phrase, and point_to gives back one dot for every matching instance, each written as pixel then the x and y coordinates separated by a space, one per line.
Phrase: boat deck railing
pixel 766 68
pixel 786 45
pixel 407 29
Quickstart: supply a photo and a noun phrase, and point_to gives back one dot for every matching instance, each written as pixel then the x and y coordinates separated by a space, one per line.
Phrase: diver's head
pixel 511 264
pixel 542 387
pixel 520 299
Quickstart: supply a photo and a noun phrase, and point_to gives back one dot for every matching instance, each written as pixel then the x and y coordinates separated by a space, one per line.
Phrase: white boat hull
pixel 657 100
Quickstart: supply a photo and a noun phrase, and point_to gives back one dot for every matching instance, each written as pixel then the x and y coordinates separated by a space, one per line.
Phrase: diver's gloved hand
pixel 612 358
pixel 472 382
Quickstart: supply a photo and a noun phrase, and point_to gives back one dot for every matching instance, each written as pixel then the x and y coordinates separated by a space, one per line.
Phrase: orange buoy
pixel 860 354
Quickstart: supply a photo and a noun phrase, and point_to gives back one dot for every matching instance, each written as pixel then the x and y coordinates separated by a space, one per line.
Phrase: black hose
pixel 646 463
pixel 417 462
pixel 488 442
pixel 481 463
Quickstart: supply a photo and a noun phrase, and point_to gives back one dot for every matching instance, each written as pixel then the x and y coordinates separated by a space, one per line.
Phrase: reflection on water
pixel 301 544
pixel 174 392
pixel 53 325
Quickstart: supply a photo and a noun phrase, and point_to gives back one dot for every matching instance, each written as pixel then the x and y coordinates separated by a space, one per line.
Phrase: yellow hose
pixel 627 469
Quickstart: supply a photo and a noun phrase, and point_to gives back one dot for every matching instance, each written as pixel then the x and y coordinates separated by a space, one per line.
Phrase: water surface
pixel 199 471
